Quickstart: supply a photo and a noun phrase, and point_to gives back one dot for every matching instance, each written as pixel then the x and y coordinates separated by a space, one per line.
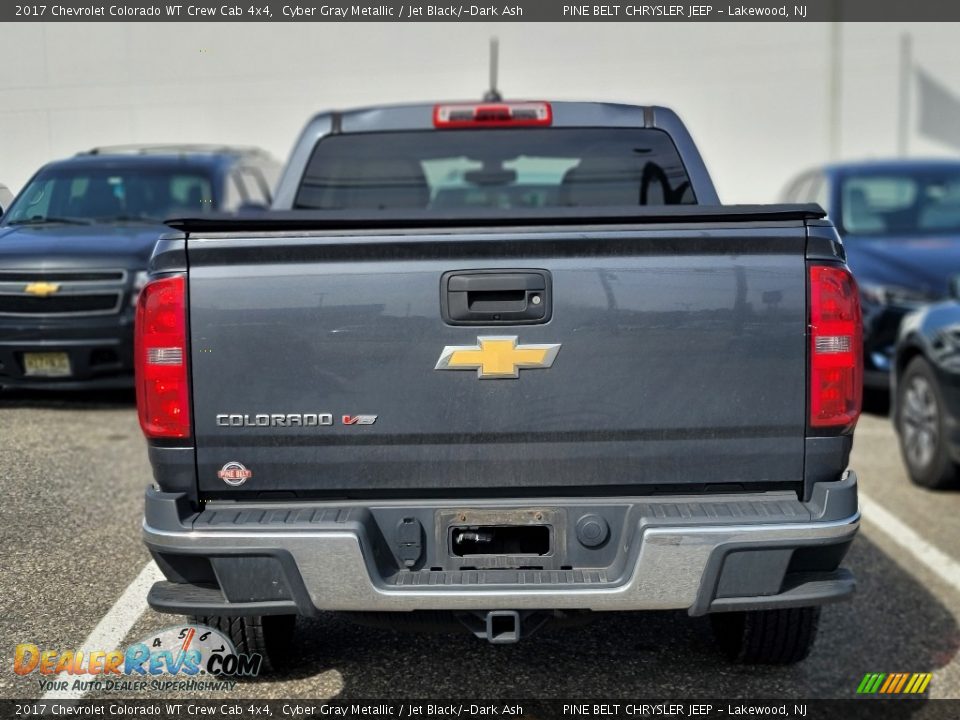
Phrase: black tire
pixel 767 637
pixel 921 427
pixel 268 635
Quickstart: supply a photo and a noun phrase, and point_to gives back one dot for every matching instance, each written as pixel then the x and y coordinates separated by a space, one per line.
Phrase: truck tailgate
pixel 681 362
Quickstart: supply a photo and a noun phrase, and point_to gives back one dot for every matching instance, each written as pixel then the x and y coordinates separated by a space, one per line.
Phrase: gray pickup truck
pixel 505 364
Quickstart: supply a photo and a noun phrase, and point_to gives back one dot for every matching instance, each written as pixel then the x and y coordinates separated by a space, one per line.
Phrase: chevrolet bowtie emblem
pixel 41 289
pixel 497 357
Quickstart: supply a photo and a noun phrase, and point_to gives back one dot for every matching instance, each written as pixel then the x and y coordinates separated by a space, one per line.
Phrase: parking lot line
pixel 113 627
pixel 931 557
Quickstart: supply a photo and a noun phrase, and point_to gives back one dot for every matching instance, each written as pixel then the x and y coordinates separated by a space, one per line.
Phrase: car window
pixel 254 185
pixel 495 168
pixel 35 198
pixel 191 191
pixel 896 204
pixel 271 175
pixel 104 194
pixel 235 194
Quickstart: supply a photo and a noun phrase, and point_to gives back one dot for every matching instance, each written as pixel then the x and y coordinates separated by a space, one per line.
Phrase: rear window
pixel 497 168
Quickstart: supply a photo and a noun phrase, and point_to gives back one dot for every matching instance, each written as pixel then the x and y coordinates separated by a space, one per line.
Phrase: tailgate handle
pixel 492 297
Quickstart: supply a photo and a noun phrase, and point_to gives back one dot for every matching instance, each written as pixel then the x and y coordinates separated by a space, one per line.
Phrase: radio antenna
pixel 493 95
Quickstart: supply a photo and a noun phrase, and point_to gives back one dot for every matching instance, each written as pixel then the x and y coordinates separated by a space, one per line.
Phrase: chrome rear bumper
pixel 307 557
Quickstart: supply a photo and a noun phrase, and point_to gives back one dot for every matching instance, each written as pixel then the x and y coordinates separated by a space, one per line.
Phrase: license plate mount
pixel 517 538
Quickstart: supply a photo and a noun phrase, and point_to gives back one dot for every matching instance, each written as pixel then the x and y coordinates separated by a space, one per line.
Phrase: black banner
pixel 873 708
pixel 638 11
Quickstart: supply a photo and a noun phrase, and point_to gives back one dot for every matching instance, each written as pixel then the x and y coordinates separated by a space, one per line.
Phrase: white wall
pixel 754 95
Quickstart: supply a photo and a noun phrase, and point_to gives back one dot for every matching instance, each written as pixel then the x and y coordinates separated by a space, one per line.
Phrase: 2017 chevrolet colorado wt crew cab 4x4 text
pixel 505 362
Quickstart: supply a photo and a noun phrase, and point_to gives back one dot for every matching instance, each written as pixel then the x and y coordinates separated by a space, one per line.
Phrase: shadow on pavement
pixel 892 625
pixel 68 400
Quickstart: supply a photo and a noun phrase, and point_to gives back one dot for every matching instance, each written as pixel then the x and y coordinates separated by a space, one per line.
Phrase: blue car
pixel 74 247
pixel 900 224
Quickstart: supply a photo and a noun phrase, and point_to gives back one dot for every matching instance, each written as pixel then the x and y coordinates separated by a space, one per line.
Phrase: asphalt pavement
pixel 72 473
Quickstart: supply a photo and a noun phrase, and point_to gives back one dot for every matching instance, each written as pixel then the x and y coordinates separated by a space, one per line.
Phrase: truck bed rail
pixel 282 220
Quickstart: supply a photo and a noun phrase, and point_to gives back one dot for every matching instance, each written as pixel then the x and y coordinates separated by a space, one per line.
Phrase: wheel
pixel 268 635
pixel 921 427
pixel 767 637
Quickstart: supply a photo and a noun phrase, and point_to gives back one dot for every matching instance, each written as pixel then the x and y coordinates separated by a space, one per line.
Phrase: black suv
pixel 74 248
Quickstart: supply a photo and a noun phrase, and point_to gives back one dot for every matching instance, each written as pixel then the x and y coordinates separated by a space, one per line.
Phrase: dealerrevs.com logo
pixel 173 659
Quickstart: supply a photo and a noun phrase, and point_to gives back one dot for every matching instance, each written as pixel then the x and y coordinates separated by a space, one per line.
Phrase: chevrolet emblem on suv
pixel 42 289
pixel 497 357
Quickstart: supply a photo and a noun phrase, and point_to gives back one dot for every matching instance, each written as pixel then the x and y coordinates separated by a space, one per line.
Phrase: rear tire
pixel 267 635
pixel 921 427
pixel 767 637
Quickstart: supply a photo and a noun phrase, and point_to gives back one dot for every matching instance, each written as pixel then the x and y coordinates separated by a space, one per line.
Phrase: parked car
pixel 926 408
pixel 900 225
pixel 6 197
pixel 501 363
pixel 74 248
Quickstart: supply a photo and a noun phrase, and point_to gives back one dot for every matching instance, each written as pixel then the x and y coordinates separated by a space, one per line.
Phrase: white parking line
pixel 931 557
pixel 112 628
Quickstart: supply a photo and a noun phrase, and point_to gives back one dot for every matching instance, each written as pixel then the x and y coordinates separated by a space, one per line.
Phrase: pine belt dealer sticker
pixel 234 474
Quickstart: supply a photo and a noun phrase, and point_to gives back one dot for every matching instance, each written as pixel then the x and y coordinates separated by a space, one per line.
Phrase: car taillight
pixel 492 115
pixel 160 362
pixel 836 348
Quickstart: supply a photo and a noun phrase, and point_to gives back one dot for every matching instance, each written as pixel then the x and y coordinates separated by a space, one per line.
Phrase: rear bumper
pixel 702 554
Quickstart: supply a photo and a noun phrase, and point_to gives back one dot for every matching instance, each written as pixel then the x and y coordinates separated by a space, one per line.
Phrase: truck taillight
pixel 160 362
pixel 516 114
pixel 836 348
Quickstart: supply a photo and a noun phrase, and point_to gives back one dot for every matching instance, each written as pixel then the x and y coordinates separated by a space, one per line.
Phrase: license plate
pixel 49 364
